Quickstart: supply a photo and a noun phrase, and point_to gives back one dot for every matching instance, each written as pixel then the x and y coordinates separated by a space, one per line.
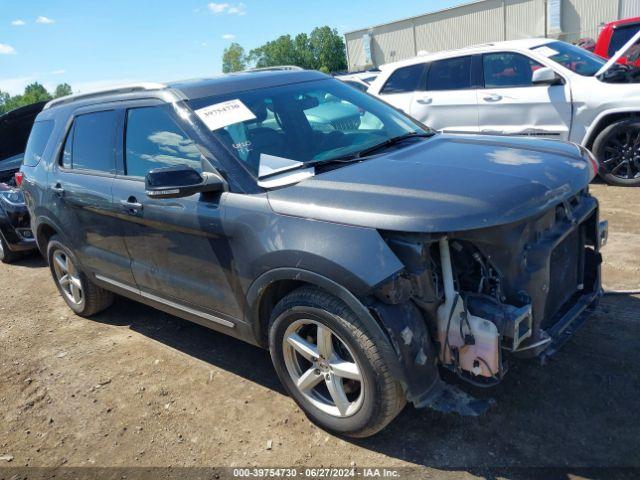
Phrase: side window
pixel 508 70
pixel 620 36
pixel 405 79
pixel 450 74
pixel 90 144
pixel 38 139
pixel 154 140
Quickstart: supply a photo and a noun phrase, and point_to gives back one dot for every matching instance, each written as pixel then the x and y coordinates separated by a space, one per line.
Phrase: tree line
pixel 33 93
pixel 323 49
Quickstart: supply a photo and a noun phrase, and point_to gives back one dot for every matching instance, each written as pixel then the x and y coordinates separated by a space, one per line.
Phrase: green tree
pixel 328 49
pixel 322 50
pixel 35 92
pixel 62 90
pixel 5 98
pixel 233 58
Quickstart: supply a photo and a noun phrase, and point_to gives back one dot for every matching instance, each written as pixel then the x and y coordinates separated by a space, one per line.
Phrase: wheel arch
pixel 604 120
pixel 45 229
pixel 273 285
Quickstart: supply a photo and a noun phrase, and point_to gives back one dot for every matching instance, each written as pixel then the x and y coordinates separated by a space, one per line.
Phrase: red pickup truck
pixel 614 35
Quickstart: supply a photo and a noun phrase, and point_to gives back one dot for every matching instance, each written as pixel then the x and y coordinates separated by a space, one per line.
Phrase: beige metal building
pixel 479 22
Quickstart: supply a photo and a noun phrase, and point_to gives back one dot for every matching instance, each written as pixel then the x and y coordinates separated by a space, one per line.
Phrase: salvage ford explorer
pixel 369 258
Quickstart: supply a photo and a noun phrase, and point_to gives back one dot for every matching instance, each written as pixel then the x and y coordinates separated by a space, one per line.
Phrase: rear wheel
pixel 617 149
pixel 81 295
pixel 6 255
pixel 333 364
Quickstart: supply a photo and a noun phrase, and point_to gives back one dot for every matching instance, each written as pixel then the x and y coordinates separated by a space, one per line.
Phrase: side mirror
pixel 181 181
pixel 545 76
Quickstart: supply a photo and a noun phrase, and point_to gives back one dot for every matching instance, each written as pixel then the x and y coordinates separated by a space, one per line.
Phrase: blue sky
pixel 90 44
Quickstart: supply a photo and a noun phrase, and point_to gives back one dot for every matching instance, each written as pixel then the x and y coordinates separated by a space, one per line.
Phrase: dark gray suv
pixel 368 258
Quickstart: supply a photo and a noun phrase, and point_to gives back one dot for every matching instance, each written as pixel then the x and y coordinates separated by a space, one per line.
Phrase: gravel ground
pixel 136 387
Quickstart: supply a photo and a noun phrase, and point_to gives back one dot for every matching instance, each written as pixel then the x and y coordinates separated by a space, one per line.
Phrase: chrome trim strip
pixel 169 303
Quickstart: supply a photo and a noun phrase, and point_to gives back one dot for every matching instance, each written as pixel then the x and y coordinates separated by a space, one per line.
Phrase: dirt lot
pixel 136 387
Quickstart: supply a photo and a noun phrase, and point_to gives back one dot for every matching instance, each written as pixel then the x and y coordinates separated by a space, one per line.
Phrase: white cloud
pixel 18 23
pixel 45 20
pixel 7 49
pixel 239 9
pixel 59 72
pixel 218 7
pixel 228 36
pixel 235 9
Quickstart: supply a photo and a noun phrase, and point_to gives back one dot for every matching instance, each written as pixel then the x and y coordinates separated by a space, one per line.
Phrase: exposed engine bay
pixel 490 294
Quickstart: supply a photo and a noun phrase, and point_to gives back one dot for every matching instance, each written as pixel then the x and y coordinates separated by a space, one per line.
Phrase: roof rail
pixel 134 87
pixel 274 68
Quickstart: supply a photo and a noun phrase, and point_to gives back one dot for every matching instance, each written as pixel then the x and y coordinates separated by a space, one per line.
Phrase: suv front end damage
pixel 513 290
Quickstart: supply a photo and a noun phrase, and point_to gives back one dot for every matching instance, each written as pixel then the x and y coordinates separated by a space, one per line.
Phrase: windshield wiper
pixel 354 157
pixel 392 141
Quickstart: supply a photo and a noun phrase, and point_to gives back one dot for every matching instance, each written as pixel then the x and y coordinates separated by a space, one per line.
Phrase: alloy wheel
pixel 622 153
pixel 68 277
pixel 323 368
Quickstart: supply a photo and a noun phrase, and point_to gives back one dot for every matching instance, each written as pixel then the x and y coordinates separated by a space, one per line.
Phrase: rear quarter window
pixel 38 139
pixel 405 79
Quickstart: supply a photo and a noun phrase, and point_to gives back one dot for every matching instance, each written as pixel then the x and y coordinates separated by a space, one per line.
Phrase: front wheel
pixel 333 364
pixel 617 149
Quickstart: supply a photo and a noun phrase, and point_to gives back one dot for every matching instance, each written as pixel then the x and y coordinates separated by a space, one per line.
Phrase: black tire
pixel 613 168
pixel 95 298
pixel 6 255
pixel 383 396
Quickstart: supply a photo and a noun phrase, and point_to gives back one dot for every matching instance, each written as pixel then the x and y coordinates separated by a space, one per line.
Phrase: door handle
pixel 58 190
pixel 494 97
pixel 424 100
pixel 131 205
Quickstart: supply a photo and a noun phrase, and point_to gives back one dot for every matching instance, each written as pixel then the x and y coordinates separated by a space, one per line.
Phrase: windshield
pixel 574 58
pixel 304 122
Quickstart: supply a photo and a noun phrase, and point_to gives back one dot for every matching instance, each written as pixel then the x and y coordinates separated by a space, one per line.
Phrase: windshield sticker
pixel 546 51
pixel 223 114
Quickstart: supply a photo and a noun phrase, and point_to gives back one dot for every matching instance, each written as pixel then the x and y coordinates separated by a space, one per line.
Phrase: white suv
pixel 534 87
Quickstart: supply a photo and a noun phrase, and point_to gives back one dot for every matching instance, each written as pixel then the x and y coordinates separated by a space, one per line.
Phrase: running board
pixel 164 301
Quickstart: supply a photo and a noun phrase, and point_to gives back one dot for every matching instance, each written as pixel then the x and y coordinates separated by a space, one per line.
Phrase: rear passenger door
pixel 510 104
pixel 447 99
pixel 81 195
pixel 402 85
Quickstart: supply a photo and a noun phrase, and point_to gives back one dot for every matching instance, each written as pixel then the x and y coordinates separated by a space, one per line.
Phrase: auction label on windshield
pixel 223 114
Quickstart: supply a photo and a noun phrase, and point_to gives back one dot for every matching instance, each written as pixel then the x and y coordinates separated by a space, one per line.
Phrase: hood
pixel 443 184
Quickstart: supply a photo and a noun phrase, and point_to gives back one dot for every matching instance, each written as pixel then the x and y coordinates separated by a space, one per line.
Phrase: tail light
pixel 19 176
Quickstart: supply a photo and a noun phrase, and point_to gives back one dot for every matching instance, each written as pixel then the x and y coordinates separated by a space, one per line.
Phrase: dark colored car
pixel 365 260
pixel 15 225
